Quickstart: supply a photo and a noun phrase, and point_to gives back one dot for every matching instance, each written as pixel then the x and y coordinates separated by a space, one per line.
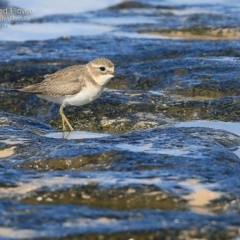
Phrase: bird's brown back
pixel 67 81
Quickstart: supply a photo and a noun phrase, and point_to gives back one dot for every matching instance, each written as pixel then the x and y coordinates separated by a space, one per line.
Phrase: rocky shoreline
pixel 146 178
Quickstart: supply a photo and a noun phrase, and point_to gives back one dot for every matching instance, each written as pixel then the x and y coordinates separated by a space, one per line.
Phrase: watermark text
pixel 9 15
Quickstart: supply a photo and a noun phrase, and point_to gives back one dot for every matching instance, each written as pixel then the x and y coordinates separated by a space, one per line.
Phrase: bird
pixel 74 85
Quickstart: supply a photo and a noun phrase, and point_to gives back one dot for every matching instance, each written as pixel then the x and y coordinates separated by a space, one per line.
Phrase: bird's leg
pixel 64 119
pixel 68 123
pixel 62 115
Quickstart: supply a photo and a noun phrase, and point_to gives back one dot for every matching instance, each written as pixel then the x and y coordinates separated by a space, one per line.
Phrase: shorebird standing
pixel 75 85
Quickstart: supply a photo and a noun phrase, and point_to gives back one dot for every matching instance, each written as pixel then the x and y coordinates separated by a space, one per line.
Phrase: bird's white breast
pixel 86 95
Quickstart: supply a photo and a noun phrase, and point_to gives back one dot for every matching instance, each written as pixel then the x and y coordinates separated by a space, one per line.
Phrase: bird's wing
pixel 68 81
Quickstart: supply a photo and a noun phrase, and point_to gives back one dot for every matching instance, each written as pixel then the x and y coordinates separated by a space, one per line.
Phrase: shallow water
pixel 40 8
pixel 76 135
pixel 41 31
pixel 81 22
pixel 233 127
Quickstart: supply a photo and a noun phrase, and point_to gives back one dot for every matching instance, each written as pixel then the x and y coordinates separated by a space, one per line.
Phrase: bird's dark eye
pixel 102 69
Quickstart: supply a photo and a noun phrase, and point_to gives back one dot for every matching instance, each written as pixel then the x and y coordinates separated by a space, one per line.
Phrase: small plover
pixel 75 85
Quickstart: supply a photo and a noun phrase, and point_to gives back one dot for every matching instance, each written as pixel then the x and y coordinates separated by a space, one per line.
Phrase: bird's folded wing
pixel 60 83
pixel 62 88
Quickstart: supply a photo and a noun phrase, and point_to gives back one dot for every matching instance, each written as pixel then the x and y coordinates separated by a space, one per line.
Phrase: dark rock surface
pixel 145 178
pixel 120 182
pixel 174 66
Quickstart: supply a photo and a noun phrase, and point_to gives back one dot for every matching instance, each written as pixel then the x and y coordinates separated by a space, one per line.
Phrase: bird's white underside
pixel 88 94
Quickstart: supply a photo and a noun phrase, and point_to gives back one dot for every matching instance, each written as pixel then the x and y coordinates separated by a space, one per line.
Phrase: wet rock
pixel 129 4
pixel 192 69
pixel 178 20
pixel 173 65
pixel 134 197
pixel 198 33
pixel 225 106
pixel 148 178
pixel 118 179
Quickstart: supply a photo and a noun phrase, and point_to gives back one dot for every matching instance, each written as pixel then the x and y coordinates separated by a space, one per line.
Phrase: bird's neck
pixel 92 79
